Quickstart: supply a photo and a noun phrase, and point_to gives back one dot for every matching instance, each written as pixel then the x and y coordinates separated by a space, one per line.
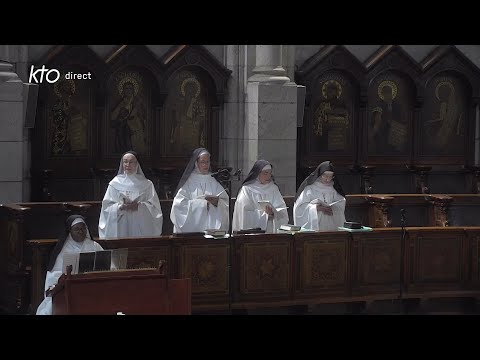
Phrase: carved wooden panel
pixel 324 263
pixel 265 267
pixel 444 116
pixel 474 252
pixel 187 113
pixel 13 242
pixel 332 78
pixel 446 129
pixel 66 123
pixel 207 266
pixel 129 115
pixel 377 259
pixel 379 212
pixel 438 259
pixel 139 258
pixel 390 115
pixel 69 117
pixel 381 261
pixel 331 118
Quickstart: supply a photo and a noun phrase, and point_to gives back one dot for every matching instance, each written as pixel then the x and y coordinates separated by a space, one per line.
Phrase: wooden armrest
pixel 15 208
pixel 439 198
pixel 379 199
pixel 76 206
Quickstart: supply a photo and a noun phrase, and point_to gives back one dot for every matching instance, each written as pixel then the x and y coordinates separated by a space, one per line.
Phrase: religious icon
pixel 69 122
pixel 331 121
pixel 187 109
pixel 444 130
pixel 388 126
pixel 128 116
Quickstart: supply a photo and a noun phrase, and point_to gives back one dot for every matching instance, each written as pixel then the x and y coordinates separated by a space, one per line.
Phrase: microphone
pixel 402 214
pixel 218 172
pixel 237 174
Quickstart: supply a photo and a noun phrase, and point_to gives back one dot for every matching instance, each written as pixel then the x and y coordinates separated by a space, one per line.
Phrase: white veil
pixel 130 182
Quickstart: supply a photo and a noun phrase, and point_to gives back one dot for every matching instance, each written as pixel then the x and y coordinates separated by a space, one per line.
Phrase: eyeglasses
pixel 328 177
pixel 204 162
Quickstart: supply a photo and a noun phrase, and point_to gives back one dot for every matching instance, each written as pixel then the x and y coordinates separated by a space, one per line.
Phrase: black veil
pixel 190 167
pixel 255 171
pixel 324 166
pixel 63 237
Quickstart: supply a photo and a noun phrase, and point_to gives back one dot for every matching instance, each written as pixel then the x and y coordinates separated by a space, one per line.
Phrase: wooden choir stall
pixel 440 255
pixel 255 271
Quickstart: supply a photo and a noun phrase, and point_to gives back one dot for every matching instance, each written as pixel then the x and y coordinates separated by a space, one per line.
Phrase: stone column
pixel 15 150
pixel 11 134
pixel 233 116
pixel 270 130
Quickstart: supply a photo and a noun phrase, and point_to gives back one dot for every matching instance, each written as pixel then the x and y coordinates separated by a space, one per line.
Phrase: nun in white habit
pixel 200 201
pixel 319 189
pixel 130 206
pixel 75 240
pixel 259 186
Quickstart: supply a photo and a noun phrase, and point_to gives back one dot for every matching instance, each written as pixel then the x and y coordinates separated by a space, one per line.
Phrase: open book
pixel 264 203
pixel 126 200
pixel 203 196
pixel 318 201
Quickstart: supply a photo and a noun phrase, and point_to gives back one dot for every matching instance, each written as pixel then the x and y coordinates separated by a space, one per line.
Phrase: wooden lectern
pixel 132 292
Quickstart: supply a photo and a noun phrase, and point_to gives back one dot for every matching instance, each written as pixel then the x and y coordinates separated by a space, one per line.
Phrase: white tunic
pixel 146 221
pixel 189 209
pixel 70 246
pixel 306 215
pixel 249 214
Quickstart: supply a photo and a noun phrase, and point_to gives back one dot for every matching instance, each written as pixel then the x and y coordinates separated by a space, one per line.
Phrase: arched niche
pixel 196 85
pixel 446 128
pixel 133 89
pixel 393 90
pixel 333 78
pixel 63 139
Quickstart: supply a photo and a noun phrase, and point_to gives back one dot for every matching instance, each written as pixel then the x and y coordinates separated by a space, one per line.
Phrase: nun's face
pixel 79 232
pixel 265 176
pixel 130 164
pixel 327 178
pixel 204 163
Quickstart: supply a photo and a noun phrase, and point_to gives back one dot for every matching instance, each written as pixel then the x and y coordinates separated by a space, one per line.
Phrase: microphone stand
pixel 402 256
pixel 225 178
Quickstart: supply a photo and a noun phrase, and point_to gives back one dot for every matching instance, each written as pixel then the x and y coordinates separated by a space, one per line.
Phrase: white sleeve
pixel 246 215
pixel 188 215
pixel 107 224
pixel 304 213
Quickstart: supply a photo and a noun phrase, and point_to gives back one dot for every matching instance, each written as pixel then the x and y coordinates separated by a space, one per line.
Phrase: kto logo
pixel 51 75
